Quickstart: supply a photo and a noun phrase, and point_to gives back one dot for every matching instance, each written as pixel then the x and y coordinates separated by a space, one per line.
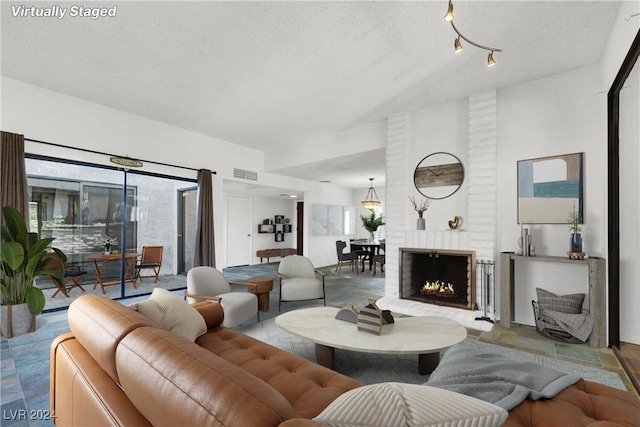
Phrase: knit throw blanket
pixel 495 378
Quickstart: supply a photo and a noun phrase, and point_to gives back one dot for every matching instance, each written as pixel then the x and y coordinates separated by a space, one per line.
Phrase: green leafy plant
pixel 574 221
pixel 25 256
pixel 372 222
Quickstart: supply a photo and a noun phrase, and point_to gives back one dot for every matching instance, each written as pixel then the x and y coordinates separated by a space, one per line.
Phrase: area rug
pixel 373 368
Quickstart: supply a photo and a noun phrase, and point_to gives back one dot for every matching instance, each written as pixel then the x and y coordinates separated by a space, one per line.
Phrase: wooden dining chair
pixel 151 260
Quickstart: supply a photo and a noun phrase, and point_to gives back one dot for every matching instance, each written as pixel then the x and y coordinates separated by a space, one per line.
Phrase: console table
pixel 597 290
pixel 270 253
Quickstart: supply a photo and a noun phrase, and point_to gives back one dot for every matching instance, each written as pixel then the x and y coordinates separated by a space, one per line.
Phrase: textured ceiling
pixel 269 74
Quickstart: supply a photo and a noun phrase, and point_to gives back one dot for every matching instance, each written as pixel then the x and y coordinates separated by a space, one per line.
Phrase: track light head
pixel 457 46
pixel 490 61
pixel 448 17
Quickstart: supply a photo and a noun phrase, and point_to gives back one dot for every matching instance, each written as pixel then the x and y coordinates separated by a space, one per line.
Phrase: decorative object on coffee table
pixel 348 314
pixel 424 205
pixel 370 318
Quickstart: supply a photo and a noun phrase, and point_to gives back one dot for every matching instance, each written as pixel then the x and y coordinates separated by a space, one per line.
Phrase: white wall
pixel 442 128
pixel 267 208
pixel 622 35
pixel 560 114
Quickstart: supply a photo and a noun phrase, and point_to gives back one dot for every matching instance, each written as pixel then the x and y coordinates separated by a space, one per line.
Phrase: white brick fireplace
pixel 478 232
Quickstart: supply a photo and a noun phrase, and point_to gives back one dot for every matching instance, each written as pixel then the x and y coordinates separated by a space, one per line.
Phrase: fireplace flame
pixel 438 288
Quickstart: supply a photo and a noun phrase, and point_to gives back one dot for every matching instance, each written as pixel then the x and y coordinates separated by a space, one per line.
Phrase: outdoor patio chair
pixel 72 273
pixel 151 260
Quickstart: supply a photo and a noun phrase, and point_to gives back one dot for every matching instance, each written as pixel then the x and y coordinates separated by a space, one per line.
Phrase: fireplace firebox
pixel 438 276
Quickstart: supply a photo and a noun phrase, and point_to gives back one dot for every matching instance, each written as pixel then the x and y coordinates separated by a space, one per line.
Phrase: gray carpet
pixel 375 368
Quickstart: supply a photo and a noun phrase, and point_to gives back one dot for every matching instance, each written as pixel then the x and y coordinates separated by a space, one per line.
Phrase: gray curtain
pixel 13 175
pixel 205 253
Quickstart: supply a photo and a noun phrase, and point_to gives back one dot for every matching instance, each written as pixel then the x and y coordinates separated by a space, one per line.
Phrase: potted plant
pixel 23 257
pixel 108 243
pixel 371 224
pixel 575 220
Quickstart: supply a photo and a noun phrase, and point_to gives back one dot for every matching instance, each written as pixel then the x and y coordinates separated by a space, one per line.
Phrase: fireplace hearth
pixel 438 276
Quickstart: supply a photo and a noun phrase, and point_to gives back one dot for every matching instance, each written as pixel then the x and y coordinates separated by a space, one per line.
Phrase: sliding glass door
pixel 85 206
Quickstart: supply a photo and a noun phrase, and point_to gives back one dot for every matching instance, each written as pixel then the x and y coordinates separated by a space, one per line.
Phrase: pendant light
pixel 370 202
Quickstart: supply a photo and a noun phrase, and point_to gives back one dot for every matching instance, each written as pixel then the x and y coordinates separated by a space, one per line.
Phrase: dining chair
pixel 208 283
pixel 379 258
pixel 363 253
pixel 72 273
pixel 151 260
pixel 299 281
pixel 348 258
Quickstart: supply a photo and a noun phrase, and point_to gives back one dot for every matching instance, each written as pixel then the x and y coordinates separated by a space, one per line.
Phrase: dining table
pixel 101 261
pixel 371 248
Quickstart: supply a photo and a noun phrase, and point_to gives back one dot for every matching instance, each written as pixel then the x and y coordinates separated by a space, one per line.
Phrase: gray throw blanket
pixel 579 325
pixel 495 378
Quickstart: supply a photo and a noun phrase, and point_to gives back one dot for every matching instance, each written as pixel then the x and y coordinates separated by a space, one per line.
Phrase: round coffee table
pixel 425 336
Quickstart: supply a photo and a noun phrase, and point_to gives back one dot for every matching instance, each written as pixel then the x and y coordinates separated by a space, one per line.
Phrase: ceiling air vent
pixel 241 173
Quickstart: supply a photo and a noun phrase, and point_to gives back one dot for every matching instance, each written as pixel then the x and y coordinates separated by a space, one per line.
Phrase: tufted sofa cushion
pixel 308 387
pixel 583 404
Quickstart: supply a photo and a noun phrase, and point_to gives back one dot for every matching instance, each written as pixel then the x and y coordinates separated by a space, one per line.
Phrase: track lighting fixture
pixel 448 17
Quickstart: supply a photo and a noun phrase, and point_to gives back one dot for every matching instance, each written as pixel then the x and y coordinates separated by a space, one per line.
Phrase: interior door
pixel 238 230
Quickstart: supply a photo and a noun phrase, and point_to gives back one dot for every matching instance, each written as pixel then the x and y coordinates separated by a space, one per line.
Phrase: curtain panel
pixel 205 253
pixel 13 175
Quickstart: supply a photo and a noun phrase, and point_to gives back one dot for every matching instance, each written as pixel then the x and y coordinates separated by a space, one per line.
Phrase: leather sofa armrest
pixel 211 311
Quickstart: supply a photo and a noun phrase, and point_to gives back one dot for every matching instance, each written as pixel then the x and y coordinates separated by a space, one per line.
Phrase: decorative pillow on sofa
pixel 398 404
pixel 172 313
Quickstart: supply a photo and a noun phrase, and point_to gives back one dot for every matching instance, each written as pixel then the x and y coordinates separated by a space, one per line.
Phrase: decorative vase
pixel 107 250
pixel 372 236
pixel 420 224
pixel 17 320
pixel 576 242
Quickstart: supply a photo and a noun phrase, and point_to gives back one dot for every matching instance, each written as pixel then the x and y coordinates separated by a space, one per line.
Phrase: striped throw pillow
pixel 398 404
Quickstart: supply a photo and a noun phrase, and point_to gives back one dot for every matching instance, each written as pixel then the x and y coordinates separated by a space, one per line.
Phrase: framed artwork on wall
pixel 550 188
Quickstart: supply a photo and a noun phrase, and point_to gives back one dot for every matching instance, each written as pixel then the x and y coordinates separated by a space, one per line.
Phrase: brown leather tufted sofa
pixel 116 368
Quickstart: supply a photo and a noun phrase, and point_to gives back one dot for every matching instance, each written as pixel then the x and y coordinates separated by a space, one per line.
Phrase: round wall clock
pixel 439 175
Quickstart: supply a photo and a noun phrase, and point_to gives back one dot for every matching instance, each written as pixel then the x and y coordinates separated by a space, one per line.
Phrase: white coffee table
pixel 424 336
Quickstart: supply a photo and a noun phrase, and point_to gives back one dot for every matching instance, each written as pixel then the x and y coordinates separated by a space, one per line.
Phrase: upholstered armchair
pixel 299 280
pixel 207 283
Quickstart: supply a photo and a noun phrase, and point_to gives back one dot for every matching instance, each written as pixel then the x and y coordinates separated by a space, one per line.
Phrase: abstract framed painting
pixel 550 188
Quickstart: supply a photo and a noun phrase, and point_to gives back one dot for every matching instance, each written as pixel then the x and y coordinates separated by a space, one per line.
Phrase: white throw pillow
pixel 398 404
pixel 172 313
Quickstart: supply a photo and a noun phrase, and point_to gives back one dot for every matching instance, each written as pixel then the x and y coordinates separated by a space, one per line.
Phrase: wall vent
pixel 244 174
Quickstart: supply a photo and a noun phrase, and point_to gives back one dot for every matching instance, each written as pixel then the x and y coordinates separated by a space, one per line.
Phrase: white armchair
pixel 299 280
pixel 207 283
